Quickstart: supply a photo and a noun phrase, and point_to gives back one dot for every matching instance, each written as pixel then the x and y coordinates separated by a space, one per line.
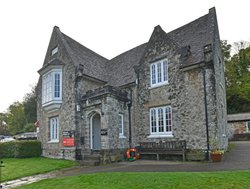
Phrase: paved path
pixel 237 159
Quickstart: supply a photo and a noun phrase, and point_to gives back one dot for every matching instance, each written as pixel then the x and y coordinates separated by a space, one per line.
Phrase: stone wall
pixel 66 112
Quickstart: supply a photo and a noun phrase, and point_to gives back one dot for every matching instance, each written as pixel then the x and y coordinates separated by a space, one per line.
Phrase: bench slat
pixel 166 147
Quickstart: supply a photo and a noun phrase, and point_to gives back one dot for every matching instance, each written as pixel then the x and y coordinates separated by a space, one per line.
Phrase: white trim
pixel 159 73
pixel 161 136
pixel 121 135
pixel 54 51
pixel 48 88
pixel 247 128
pixel 158 133
pixel 53 141
pixel 54 129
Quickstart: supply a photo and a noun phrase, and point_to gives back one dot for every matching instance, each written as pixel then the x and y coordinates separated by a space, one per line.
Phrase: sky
pixel 108 27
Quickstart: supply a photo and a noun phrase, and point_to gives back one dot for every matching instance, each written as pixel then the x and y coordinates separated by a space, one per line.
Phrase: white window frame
pixel 247 122
pixel 54 51
pixel 54 130
pixel 121 125
pixel 159 73
pixel 52 87
pixel 156 130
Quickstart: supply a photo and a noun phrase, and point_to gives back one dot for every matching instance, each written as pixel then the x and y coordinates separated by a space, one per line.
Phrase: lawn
pixel 156 180
pixel 22 167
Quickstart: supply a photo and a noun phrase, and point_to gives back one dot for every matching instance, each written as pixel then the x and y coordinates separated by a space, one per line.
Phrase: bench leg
pixel 157 157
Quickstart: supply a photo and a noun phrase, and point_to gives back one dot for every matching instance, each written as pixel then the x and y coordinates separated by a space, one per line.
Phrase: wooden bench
pixel 164 147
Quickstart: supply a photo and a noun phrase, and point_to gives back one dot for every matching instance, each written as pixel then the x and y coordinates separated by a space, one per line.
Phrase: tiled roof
pixel 120 70
pixel 93 63
pixel 195 34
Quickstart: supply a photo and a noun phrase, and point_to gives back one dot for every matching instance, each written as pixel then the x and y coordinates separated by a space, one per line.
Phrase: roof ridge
pixel 127 51
pixel 186 25
pixel 64 43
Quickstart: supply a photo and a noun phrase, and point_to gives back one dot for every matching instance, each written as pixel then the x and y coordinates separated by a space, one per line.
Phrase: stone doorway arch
pixel 95 131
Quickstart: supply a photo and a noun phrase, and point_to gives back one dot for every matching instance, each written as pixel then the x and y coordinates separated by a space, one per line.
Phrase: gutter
pixel 129 120
pixel 206 112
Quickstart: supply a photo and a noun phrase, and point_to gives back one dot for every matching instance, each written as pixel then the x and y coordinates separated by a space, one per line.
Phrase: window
pixel 161 121
pixel 54 51
pixel 248 126
pixel 120 125
pixel 54 129
pixel 52 87
pixel 159 72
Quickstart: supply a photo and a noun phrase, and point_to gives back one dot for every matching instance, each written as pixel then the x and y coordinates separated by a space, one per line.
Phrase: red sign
pixel 68 141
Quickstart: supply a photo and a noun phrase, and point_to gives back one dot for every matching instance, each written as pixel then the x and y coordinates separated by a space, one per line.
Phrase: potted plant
pixel 216 155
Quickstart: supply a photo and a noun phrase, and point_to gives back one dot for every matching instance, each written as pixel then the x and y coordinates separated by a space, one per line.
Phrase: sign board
pixel 104 131
pixel 68 138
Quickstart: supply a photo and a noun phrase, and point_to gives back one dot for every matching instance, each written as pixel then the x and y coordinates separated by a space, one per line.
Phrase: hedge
pixel 20 149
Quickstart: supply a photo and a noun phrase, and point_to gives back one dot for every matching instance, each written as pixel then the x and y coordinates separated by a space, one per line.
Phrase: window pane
pixel 153 78
pixel 168 119
pixel 160 120
pixel 165 70
pixel 159 72
pixel 54 128
pixel 153 120
pixel 120 124
pixel 57 86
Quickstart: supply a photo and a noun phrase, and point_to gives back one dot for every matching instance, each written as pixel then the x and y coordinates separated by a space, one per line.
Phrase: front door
pixel 96 132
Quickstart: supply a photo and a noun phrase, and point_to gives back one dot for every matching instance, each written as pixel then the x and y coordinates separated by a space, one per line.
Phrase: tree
pixel 30 105
pixel 3 124
pixel 237 77
pixel 16 119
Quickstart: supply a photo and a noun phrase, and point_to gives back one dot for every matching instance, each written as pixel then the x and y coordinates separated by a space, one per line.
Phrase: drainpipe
pixel 206 114
pixel 129 120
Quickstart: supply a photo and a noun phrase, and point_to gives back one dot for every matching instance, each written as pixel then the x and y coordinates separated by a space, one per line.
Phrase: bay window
pixel 52 87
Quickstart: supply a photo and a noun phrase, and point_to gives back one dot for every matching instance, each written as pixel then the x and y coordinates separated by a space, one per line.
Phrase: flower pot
pixel 216 157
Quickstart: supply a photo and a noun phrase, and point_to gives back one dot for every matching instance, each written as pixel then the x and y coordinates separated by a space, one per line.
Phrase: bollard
pixel 1 165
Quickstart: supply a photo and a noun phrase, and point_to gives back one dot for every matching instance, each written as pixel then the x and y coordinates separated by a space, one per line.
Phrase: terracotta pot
pixel 216 157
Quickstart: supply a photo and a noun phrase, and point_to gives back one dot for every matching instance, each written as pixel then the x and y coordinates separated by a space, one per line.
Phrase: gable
pixel 188 40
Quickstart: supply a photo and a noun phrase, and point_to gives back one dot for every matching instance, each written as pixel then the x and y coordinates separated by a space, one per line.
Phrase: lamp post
pixel 1 165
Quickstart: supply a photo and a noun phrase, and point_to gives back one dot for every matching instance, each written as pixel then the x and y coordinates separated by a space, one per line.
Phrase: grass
pixel 21 167
pixel 156 180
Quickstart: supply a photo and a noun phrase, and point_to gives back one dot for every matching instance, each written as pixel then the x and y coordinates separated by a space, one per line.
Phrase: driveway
pixel 237 159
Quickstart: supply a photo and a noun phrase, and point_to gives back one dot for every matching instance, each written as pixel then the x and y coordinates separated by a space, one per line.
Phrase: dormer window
pixel 52 87
pixel 159 73
pixel 54 51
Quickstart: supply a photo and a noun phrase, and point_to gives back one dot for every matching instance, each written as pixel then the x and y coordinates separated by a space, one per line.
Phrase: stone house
pixel 169 88
pixel 239 126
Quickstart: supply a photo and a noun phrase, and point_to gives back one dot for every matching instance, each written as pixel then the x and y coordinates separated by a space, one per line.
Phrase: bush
pixel 7 149
pixel 30 148
pixel 20 149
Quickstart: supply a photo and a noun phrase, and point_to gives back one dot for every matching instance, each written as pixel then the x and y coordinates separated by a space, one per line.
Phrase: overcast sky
pixel 108 27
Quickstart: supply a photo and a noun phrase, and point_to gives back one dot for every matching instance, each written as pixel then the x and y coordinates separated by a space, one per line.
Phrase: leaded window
pixel 159 73
pixel 161 120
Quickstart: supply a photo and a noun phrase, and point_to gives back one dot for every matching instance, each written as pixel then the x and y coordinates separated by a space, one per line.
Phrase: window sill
pixel 122 136
pixel 161 136
pixel 52 105
pixel 158 85
pixel 53 141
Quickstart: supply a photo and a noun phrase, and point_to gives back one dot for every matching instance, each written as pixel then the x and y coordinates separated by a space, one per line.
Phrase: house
pixel 239 126
pixel 169 88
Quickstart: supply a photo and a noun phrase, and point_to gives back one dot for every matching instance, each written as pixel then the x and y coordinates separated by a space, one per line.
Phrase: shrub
pixel 29 148
pixel 7 149
pixel 19 149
